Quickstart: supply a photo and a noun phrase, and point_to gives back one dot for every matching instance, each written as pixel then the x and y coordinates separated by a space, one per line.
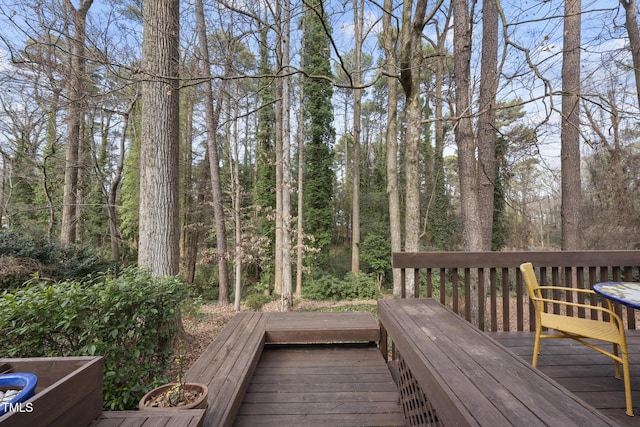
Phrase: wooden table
pixel 471 380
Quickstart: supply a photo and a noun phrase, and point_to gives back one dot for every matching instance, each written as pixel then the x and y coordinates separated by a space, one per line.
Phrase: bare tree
pixel 487 118
pixel 159 157
pixel 391 137
pixel 76 86
pixel 358 21
pixel 212 118
pixel 283 142
pixel 631 11
pixel 570 128
pixel 413 23
pixel 111 185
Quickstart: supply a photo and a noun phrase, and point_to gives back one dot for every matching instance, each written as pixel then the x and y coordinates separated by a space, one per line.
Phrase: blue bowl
pixel 17 380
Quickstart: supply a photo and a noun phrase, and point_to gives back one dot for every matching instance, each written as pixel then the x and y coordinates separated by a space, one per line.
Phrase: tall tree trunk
pixel 75 116
pixel 198 219
pixel 277 286
pixel 410 66
pixel 471 224
pixel 212 119
pixel 287 297
pixel 570 128
pixel 300 137
pixel 391 138
pixel 159 155
pixel 188 199
pixel 631 11
pixel 358 17
pixel 111 192
pixel 234 163
pixel 486 120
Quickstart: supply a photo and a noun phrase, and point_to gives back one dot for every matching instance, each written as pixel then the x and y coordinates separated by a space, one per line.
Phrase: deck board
pixel 321 385
pixel 586 373
pixel 159 418
pixel 294 328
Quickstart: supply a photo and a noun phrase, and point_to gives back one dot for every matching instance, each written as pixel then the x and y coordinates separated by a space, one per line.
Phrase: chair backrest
pixel 529 276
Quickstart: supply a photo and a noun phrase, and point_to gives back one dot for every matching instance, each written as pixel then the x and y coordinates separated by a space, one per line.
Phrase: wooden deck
pixel 321 386
pixel 325 369
pixel 159 418
pixel 588 374
pixel 255 347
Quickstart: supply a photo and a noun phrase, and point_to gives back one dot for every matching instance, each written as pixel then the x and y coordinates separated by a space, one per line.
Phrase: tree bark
pixel 391 138
pixel 471 224
pixel 486 120
pixel 300 219
pixel 75 116
pixel 570 128
pixel 212 118
pixel 358 16
pixel 410 66
pixel 159 157
pixel 287 296
pixel 631 11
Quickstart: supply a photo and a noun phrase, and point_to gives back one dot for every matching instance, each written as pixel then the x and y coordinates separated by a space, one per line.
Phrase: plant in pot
pixel 176 395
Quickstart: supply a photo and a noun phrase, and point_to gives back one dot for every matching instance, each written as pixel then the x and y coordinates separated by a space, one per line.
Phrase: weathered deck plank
pixel 586 373
pixel 471 379
pixel 187 418
pixel 321 385
pixel 227 365
pixel 297 328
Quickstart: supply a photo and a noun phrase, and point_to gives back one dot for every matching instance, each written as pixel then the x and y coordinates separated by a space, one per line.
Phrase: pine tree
pixel 318 111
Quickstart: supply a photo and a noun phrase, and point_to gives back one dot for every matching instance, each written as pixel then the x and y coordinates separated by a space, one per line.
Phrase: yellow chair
pixel 577 328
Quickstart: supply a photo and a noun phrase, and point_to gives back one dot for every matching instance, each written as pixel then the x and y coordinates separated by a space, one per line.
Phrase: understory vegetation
pixel 131 319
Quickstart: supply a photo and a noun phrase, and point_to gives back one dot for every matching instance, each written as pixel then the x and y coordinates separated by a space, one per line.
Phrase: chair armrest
pixel 609 311
pixel 564 288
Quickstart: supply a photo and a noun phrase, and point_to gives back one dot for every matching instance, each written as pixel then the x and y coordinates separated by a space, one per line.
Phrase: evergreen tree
pixel 320 135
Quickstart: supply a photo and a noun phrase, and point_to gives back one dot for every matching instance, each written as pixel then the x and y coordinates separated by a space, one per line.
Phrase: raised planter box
pixel 69 391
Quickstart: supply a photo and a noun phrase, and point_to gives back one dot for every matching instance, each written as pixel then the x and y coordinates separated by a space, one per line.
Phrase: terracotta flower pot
pixel 154 399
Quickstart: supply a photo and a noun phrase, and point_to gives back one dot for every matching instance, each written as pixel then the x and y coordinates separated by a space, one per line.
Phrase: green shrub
pixel 256 301
pixel 24 256
pixel 131 320
pixel 354 286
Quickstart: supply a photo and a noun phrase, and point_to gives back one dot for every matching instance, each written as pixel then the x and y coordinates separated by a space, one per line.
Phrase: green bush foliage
pixel 354 286
pixel 131 320
pixel 24 256
pixel 256 301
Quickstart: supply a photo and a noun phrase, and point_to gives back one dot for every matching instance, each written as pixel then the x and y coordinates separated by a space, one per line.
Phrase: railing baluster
pixel 493 294
pixel 482 299
pixel 467 294
pixel 568 282
pixel 555 281
pixel 506 300
pixel 454 290
pixel 594 301
pixel 443 289
pixel 581 295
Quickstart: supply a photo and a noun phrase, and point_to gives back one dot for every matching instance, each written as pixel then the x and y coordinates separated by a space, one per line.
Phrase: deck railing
pixel 447 276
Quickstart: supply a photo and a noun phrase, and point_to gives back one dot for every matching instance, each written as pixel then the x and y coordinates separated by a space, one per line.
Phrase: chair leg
pixel 536 348
pixel 615 362
pixel 627 380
